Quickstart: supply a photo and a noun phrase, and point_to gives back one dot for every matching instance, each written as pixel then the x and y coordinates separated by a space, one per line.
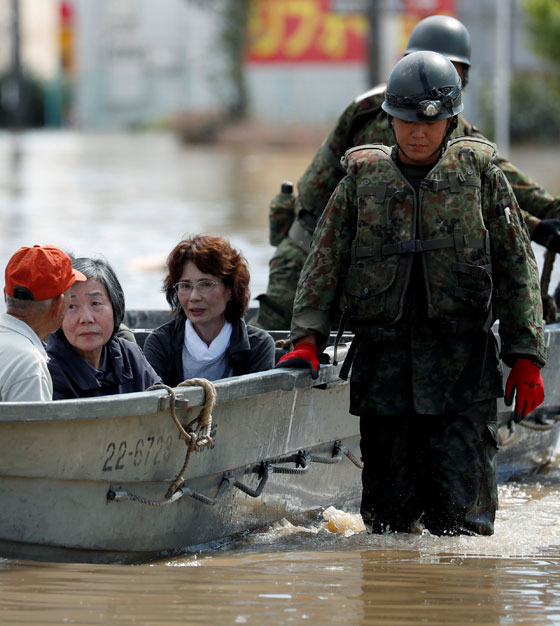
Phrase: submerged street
pixel 131 197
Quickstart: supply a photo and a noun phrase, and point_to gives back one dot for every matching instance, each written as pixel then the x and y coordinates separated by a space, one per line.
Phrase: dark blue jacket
pixel 127 370
pixel 250 350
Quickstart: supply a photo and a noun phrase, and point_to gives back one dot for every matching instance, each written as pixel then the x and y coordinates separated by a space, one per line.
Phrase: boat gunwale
pixel 229 389
pixel 150 402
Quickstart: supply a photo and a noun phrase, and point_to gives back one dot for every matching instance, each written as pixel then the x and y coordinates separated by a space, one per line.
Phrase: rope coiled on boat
pixel 195 439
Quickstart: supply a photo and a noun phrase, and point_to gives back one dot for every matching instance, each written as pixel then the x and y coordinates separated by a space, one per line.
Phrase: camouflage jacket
pixel 364 122
pixel 437 372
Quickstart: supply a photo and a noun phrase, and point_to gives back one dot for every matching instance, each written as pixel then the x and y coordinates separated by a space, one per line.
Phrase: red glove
pixel 526 381
pixel 303 355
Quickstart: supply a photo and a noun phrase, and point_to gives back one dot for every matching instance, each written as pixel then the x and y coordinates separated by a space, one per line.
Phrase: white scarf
pixel 198 348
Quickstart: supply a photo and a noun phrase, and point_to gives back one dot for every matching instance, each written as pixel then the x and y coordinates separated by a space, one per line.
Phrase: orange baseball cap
pixel 39 273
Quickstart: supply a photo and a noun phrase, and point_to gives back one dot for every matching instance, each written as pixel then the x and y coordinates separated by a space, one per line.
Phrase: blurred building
pixel 38 26
pixel 25 70
pixel 112 64
pixel 306 60
pixel 309 88
pixel 141 61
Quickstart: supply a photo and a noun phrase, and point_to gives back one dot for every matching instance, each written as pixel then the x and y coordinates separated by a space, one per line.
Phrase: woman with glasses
pixel 86 357
pixel 207 287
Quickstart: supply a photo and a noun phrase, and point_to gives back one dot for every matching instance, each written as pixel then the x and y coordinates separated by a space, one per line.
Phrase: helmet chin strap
pixel 452 126
pixel 399 149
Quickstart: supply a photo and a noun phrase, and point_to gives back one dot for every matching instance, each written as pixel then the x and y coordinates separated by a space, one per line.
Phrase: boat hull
pixel 56 485
pixel 87 480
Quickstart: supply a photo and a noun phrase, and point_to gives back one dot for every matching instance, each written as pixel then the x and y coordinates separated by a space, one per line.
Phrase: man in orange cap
pixel 35 282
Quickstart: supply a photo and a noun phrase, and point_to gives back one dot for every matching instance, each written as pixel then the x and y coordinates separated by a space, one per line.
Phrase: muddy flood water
pixel 131 198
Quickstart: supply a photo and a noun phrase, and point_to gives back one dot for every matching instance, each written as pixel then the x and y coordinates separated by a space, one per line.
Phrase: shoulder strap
pixel 485 150
pixel 382 152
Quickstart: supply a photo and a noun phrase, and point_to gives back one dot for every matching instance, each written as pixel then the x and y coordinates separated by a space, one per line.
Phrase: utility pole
pixel 373 10
pixel 502 75
pixel 12 94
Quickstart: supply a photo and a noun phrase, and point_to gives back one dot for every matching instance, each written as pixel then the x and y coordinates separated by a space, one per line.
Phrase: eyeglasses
pixel 203 286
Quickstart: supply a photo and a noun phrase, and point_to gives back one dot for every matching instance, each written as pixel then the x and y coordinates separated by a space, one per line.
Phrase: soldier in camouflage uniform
pixel 362 122
pixel 423 246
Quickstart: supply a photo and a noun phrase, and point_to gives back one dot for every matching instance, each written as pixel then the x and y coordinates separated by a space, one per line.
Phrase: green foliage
pixel 534 109
pixel 544 28
pixel 534 99
pixel 233 16
pixel 234 41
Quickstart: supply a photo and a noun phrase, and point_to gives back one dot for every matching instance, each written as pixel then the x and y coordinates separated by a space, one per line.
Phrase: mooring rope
pixel 195 440
pixel 119 494
pixel 541 427
pixel 204 418
pixel 264 469
pixel 283 343
pixel 352 458
pixel 505 440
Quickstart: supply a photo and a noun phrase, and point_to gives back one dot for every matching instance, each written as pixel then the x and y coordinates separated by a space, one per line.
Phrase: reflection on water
pixel 131 197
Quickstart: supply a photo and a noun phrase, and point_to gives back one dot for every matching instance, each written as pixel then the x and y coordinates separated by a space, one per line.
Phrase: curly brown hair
pixel 211 255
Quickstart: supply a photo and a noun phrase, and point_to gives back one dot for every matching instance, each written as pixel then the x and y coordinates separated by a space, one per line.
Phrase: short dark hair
pixel 212 255
pixel 99 269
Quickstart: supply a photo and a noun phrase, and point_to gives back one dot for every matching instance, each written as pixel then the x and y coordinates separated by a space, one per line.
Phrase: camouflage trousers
pixel 275 306
pixel 440 470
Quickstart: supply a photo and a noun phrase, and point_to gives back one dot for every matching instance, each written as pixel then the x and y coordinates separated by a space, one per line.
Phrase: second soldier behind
pixel 364 121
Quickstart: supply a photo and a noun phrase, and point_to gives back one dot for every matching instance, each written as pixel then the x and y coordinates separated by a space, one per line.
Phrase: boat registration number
pixel 153 450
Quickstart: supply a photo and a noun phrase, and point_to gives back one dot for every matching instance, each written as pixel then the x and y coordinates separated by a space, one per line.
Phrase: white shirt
pixel 198 348
pixel 201 360
pixel 24 375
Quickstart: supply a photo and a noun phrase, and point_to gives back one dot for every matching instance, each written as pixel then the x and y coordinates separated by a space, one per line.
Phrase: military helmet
pixel 443 34
pixel 423 87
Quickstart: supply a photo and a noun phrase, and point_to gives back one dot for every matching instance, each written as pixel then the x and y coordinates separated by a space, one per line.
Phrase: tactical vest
pixel 445 226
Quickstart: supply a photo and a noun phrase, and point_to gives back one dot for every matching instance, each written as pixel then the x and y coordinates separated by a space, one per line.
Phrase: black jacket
pixel 250 350
pixel 127 370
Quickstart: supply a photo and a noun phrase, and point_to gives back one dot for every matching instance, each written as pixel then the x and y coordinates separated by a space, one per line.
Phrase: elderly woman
pixel 207 287
pixel 86 358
